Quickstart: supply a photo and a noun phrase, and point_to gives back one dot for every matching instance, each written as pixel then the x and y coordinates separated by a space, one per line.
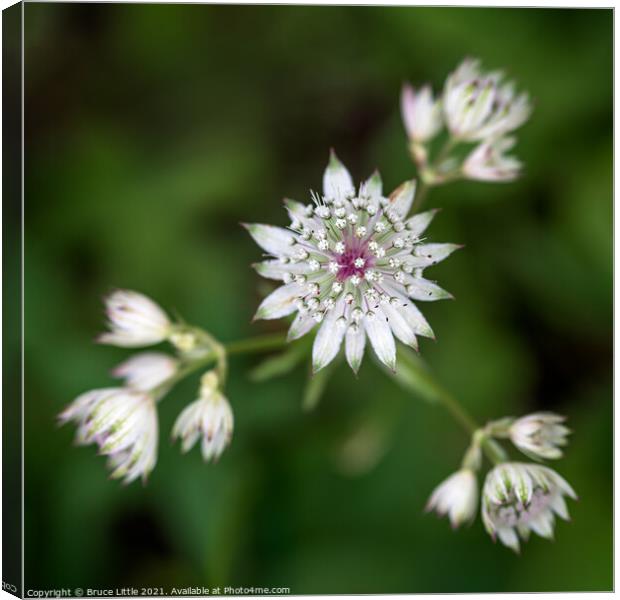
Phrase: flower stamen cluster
pixel 354 262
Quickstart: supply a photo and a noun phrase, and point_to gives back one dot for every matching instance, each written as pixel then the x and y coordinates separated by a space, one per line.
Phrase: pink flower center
pixel 355 259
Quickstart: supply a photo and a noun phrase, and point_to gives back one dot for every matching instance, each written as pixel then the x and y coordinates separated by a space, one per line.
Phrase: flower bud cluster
pixel 475 107
pixel 122 421
pixel 517 498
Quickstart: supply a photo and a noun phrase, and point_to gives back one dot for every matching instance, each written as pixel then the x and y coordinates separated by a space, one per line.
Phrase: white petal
pixel 410 312
pixel 417 224
pixel 355 342
pixel 301 325
pixel 402 197
pixel 508 537
pixel 329 338
pixel 337 182
pixel 279 303
pixel 276 269
pixel 422 289
pixel 297 211
pixel 381 339
pixel 434 253
pixel 543 525
pixel 558 504
pixel 408 109
pixel 274 240
pixel 372 187
pixel 401 328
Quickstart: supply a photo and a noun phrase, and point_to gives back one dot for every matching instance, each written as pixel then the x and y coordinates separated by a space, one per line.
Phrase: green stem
pixel 273 341
pixel 492 450
pixel 424 187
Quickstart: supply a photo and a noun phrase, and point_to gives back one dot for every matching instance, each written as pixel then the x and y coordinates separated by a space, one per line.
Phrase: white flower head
pixel 123 423
pixel 540 435
pixel 456 497
pixel 421 113
pixel 352 263
pixel 134 320
pixel 488 162
pixel 479 106
pixel 210 418
pixel 146 370
pixel 518 498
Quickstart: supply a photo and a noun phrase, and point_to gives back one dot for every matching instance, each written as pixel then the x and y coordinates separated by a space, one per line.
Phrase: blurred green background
pixel 151 132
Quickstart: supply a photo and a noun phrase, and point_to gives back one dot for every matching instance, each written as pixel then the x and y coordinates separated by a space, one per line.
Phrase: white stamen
pixel 313 304
pixel 379 227
pixel 314 264
pixel 314 289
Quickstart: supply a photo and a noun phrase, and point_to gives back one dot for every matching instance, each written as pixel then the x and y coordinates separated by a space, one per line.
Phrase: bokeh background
pixel 151 132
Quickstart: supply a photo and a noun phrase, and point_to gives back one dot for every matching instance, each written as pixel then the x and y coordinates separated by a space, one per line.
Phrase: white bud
pixel 134 320
pixel 539 435
pixel 456 497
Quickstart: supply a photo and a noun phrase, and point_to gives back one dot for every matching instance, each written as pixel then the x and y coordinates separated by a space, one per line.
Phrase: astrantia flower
pixel 518 498
pixel 146 371
pixel 456 497
pixel 134 320
pixel 352 262
pixel 487 161
pixel 539 435
pixel 478 106
pixel 123 423
pixel 421 113
pixel 209 417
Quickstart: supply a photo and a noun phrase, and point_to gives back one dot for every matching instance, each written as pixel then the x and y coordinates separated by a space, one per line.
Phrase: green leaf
pixel 278 364
pixel 315 388
pixel 413 374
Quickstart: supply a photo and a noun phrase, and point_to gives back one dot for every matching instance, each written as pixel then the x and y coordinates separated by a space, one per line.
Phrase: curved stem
pixel 493 451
